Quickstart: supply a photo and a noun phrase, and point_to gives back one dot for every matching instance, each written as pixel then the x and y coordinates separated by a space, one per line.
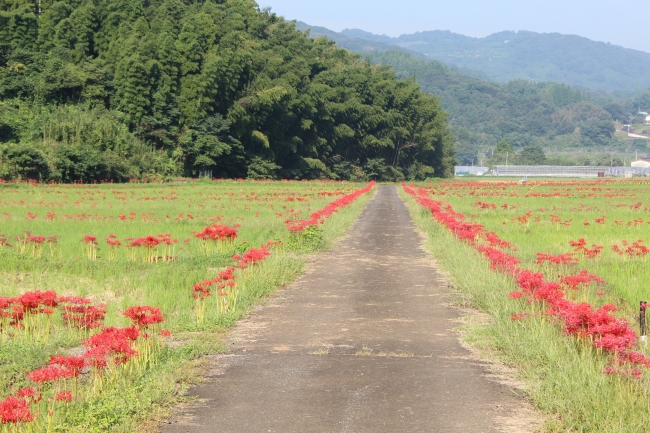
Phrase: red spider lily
pixel 555 219
pixel 636 249
pixel 111 342
pixel 26 392
pixel 584 277
pixel 202 290
pixel 319 216
pixel 483 205
pixel 72 363
pixel 84 316
pixel 594 252
pixel 217 232
pixel 4 242
pixel 578 245
pixel 112 241
pixel 89 239
pixel 51 373
pixel 494 241
pixel 253 256
pixel 151 244
pixel 515 295
pixel 32 301
pixel 165 333
pixel 499 260
pixel 63 396
pixel 524 219
pixel 147 242
pixel 14 410
pixel 580 320
pixel 560 259
pixel 143 316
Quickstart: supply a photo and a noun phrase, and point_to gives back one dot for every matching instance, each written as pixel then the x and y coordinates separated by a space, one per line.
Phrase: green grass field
pixel 56 238
pixel 564 376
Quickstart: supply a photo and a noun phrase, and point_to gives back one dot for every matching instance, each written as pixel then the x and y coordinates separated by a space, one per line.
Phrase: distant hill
pixel 354 43
pixel 554 116
pixel 366 43
pixel 506 56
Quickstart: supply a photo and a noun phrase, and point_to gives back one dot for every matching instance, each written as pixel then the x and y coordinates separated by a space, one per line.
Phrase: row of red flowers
pixel 582 320
pixel 321 215
pixel 225 283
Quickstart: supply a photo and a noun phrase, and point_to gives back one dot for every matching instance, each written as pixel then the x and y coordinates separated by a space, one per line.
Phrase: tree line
pixel 526 114
pixel 95 90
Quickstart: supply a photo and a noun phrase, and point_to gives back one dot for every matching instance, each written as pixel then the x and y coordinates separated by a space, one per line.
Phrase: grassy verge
pixel 564 376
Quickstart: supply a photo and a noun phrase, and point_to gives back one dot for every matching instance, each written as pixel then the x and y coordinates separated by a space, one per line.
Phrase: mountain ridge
pixel 510 55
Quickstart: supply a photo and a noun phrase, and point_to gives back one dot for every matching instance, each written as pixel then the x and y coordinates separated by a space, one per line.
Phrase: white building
pixel 466 170
pixel 640 163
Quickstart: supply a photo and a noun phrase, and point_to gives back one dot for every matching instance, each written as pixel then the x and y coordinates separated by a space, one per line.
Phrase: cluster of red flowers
pixel 524 218
pixel 90 239
pixel 14 310
pixel 225 279
pixel 321 215
pixel 584 277
pixel 4 242
pixel 560 259
pixel 217 232
pixel 483 205
pixel 635 249
pixel 580 246
pixel 555 219
pixel 151 241
pixel 76 311
pixel 59 367
pixel 81 314
pixel 113 241
pixel 111 344
pixel 252 256
pixel 144 316
pixel 14 410
pixel 580 319
pixel 108 346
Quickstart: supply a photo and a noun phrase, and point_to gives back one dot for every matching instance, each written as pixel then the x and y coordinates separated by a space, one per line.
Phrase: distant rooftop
pixel 461 170
pixel 567 171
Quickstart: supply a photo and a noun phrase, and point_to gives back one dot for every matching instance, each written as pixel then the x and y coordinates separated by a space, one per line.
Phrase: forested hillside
pixel 506 56
pixel 115 89
pixel 546 115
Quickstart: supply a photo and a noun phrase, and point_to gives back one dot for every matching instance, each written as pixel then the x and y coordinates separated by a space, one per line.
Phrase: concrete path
pixel 361 343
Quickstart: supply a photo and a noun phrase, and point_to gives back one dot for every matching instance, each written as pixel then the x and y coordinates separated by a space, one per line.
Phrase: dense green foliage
pixel 546 115
pixel 99 89
pixel 506 56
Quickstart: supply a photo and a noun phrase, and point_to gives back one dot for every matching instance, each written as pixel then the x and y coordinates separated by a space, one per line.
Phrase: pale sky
pixel 620 22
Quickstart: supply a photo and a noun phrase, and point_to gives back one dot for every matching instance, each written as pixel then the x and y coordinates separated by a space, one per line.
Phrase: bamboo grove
pixel 100 90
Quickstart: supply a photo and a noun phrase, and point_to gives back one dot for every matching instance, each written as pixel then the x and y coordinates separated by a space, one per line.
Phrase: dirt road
pixel 363 342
